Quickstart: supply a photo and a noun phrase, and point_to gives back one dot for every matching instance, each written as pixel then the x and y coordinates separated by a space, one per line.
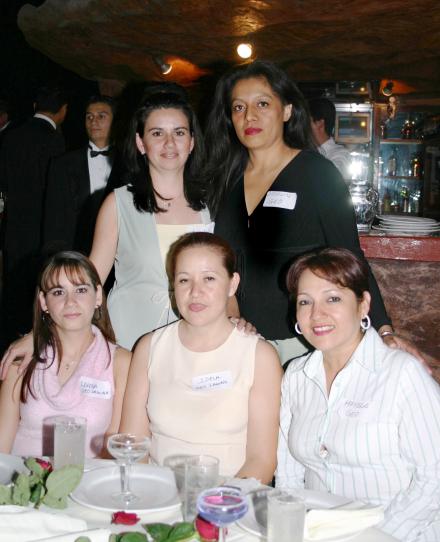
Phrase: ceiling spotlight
pixel 388 89
pixel 244 50
pixel 164 67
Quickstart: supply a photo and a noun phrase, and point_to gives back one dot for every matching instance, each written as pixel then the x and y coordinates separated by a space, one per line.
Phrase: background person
pixel 137 223
pixel 323 113
pixel 358 419
pixel 75 344
pixel 24 162
pixel 77 181
pixel 275 196
pixel 200 385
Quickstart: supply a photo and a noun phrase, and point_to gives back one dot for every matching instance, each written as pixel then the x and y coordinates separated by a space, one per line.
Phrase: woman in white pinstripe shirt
pixel 358 418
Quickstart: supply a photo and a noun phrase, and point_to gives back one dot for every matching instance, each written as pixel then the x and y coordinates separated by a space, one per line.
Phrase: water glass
pixel 69 441
pixel 286 514
pixel 193 474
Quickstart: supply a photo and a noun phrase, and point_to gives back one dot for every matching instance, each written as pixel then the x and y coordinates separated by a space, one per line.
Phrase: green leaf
pixel 132 537
pixel 83 539
pixel 21 491
pixel 158 531
pixel 181 531
pixel 37 493
pixel 54 502
pixel 36 469
pixel 61 482
pixel 5 495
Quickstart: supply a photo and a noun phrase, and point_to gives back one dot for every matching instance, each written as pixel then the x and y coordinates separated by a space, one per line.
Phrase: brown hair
pixel 337 265
pixel 200 239
pixel 79 269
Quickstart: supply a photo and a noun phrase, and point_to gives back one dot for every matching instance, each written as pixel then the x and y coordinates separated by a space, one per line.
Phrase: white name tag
pixel 208 228
pixel 95 388
pixel 283 200
pixel 212 381
pixel 357 410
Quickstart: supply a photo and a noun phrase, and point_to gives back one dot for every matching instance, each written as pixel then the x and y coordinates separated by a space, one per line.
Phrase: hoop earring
pixel 299 332
pixel 98 313
pixel 365 323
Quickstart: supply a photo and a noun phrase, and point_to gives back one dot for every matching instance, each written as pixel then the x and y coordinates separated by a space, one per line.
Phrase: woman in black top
pixel 274 196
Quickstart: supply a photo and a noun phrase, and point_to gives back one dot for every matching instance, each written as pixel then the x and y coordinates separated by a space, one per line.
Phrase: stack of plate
pixel 406 225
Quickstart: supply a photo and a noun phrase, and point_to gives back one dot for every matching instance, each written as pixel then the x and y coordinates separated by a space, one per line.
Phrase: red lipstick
pixel 252 131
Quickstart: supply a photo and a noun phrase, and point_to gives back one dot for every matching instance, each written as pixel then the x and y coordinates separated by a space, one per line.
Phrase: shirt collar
pixel 95 148
pixel 49 120
pixel 328 144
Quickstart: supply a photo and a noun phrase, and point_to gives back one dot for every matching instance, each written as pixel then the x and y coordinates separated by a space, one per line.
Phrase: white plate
pixel 404 218
pixel 403 233
pixel 254 521
pixel 8 465
pixel 409 226
pixel 155 487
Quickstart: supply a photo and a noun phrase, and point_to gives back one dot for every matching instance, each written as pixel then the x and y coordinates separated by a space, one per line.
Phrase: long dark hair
pixel 138 173
pixel 227 157
pixel 79 269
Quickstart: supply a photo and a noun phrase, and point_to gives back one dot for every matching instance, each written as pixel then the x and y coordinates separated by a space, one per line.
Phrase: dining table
pixel 97 518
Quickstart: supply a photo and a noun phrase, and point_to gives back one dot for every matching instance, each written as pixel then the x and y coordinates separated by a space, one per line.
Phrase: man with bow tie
pixel 77 183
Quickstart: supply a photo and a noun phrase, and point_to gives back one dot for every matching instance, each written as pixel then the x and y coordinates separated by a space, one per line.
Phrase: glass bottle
pixel 404 194
pixel 392 163
pixel 416 167
pixel 386 202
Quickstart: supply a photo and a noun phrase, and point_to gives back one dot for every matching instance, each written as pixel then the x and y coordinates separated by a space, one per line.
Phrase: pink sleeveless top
pixel 88 392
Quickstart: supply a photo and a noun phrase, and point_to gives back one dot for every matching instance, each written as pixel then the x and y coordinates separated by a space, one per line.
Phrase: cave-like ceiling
pixel 314 40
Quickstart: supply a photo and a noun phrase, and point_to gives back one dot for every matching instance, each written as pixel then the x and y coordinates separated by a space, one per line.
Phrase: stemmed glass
pixel 222 506
pixel 127 449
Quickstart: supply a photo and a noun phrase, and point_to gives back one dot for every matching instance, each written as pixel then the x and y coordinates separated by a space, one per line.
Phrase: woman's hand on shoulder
pixel 393 340
pixel 243 325
pixel 19 353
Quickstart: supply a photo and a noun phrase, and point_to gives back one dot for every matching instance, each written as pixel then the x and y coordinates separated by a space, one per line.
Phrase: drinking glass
pixel 69 441
pixel 127 449
pixel 286 513
pixel 193 474
pixel 222 506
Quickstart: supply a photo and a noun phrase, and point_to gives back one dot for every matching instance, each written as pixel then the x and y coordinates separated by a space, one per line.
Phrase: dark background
pixel 24 69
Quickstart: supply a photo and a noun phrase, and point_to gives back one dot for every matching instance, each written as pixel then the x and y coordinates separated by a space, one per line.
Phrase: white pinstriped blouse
pixel 375 437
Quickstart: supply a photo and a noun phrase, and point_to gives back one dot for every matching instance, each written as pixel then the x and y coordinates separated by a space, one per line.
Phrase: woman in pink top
pixel 78 369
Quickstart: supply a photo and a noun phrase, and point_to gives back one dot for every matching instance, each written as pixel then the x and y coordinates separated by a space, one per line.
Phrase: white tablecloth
pixel 96 518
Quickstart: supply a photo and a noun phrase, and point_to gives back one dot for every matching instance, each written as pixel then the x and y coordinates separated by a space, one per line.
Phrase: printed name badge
pixel 208 228
pixel 357 410
pixel 95 388
pixel 282 200
pixel 212 381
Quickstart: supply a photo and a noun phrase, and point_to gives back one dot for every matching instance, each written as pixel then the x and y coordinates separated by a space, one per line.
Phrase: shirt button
pixel 323 452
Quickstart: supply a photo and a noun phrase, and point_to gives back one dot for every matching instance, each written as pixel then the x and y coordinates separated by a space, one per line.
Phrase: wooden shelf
pixel 407 178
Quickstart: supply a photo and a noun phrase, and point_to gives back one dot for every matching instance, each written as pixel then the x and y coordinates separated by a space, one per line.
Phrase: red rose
pixel 124 518
pixel 206 530
pixel 45 465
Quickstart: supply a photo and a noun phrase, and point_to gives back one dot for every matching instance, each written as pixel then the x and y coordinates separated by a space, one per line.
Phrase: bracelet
pixel 386 333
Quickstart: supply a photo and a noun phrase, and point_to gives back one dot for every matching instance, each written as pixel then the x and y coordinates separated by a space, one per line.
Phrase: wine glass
pixel 222 506
pixel 127 449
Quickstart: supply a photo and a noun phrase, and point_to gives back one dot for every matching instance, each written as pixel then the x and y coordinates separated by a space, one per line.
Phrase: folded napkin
pixel 332 523
pixel 21 524
pixel 95 535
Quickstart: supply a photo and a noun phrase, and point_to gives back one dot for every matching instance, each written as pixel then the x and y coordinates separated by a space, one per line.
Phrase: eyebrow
pixel 162 128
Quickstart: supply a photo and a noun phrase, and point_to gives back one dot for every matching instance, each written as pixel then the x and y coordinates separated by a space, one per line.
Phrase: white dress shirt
pixel 47 119
pixel 99 168
pixel 337 154
pixel 374 437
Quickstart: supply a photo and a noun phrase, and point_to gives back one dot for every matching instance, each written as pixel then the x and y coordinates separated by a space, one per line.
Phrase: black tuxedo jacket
pixel 24 161
pixel 70 209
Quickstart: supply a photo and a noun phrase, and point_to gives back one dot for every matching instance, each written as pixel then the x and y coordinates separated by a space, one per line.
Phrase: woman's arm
pixel 263 420
pixel 290 473
pixel 134 410
pixel 105 238
pixel 413 510
pixel 121 366
pixel 9 409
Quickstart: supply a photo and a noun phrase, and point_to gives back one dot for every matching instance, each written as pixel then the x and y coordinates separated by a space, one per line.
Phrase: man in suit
pixel 77 183
pixel 24 160
pixel 6 123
